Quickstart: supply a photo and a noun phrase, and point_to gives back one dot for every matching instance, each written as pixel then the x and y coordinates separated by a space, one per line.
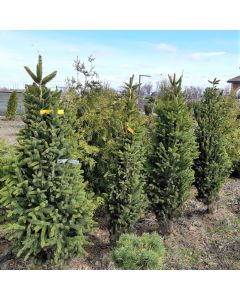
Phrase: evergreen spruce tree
pixel 173 150
pixel 48 209
pixel 12 106
pixel 126 200
pixel 7 157
pixel 213 165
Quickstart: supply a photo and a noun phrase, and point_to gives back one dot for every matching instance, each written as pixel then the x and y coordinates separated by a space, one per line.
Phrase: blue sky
pixel 199 55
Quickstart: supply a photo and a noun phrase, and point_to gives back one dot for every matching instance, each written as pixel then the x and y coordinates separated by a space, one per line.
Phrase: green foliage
pixel 190 256
pixel 12 106
pixel 126 200
pixel 144 252
pixel 4 157
pixel 87 78
pixel 38 77
pixel 112 156
pixel 213 165
pixel 171 156
pixel 95 126
pixel 7 157
pixel 232 129
pixel 150 106
pixel 48 209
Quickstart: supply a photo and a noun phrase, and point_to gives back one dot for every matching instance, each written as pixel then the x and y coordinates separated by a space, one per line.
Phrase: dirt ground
pixel 9 129
pixel 199 240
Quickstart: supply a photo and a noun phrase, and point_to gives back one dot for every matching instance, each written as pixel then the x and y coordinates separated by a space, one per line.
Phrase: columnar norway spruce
pixel 173 150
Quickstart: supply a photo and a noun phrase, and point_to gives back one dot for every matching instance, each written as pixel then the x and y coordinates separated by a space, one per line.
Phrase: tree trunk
pixel 165 227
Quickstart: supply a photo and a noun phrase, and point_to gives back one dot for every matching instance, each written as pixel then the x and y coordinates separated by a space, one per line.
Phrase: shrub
pixel 144 252
pixel 149 106
pixel 49 212
pixel 94 105
pixel 171 156
pixel 12 106
pixel 213 165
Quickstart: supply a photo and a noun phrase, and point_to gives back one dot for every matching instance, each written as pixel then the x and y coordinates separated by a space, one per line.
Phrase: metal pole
pixel 139 82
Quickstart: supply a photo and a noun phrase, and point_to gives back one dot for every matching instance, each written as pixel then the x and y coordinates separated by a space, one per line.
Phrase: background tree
pixel 87 77
pixel 213 165
pixel 193 93
pixel 12 106
pixel 162 87
pixel 48 209
pixel 152 97
pixel 95 128
pixel 173 150
pixel 93 103
pixel 149 107
pixel 146 89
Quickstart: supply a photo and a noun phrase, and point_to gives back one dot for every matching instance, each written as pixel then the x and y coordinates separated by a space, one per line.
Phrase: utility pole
pixel 139 81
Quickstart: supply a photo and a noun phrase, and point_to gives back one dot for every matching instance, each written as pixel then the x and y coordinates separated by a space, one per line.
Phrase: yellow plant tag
pixel 45 111
pixel 129 129
pixel 48 111
pixel 60 112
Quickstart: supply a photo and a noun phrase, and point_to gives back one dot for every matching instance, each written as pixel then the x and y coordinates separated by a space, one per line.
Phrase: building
pixel 235 86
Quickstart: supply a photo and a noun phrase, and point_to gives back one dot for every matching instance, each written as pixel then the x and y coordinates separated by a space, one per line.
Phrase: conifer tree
pixel 125 179
pixel 48 209
pixel 213 165
pixel 12 106
pixel 7 157
pixel 173 150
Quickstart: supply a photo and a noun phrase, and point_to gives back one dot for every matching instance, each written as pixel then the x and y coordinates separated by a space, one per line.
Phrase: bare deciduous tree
pixel 193 92
pixel 146 89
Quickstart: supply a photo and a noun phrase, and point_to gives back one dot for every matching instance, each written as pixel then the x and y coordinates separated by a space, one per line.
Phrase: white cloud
pixel 166 48
pixel 205 55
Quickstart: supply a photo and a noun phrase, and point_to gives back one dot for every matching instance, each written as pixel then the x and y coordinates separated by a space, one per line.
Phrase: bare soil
pixel 199 240
pixel 9 129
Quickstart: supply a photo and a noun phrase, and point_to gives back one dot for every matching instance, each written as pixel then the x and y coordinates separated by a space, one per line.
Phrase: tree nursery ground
pixel 199 240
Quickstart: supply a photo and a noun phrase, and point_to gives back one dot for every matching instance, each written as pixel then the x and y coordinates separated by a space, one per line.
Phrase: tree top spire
pixel 37 78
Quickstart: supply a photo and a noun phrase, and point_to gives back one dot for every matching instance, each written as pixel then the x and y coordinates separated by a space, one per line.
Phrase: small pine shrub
pixel 12 106
pixel 213 165
pixel 144 252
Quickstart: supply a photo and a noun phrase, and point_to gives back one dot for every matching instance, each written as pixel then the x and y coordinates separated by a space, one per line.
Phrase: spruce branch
pixel 37 78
